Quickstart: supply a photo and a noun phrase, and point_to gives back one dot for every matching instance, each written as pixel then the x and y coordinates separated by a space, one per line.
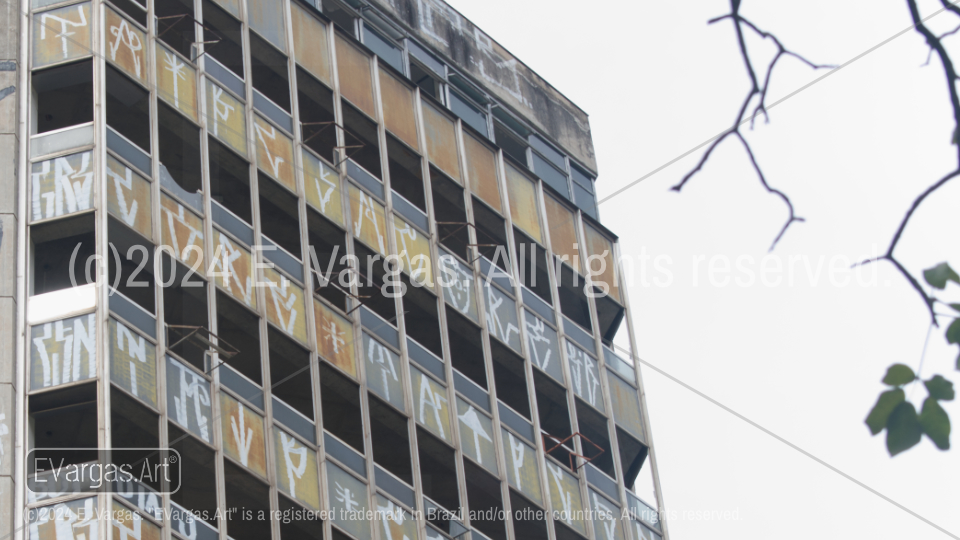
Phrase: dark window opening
pixel 176 24
pixel 198 476
pixel 290 372
pixel 510 378
pixel 179 149
pixel 406 174
pixel 302 524
pixel 466 347
pixel 269 69
pixel 633 454
pixel 229 50
pixel 241 329
pixel 279 215
pixel 375 283
pixel 341 16
pixel 562 532
pixel 328 246
pixel 491 229
pixel 247 494
pixel 184 305
pixel 438 471
pixel 64 424
pixel 135 10
pixel 421 317
pixel 610 318
pixel 525 522
pixel 229 180
pixel 63 96
pixel 427 82
pixel 485 501
pixel 594 427
pixel 449 208
pixel 362 140
pixel 391 440
pixel 554 416
pixel 128 108
pixel 315 104
pixel 340 399
pixel 532 259
pixel 512 145
pixel 54 244
pixel 134 276
pixel 573 303
pixel 134 426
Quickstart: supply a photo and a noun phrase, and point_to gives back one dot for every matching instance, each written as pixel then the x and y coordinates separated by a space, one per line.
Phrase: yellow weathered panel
pixel 399 115
pixel 242 434
pixel 322 186
pixel 267 18
pixel 335 338
pixel 61 34
pixel 127 524
pixel 430 405
pixel 356 81
pixel 394 522
pixel 563 232
pixel 226 118
pixel 275 153
pixel 234 269
pixel 441 141
pixel 125 46
pixel 600 251
pixel 285 306
pixel 310 46
pixel 520 460
pixel 129 197
pixel 565 497
pixel 296 466
pixel 482 172
pixel 413 248
pixel 176 82
pixel 524 209
pixel 369 219
pixel 182 231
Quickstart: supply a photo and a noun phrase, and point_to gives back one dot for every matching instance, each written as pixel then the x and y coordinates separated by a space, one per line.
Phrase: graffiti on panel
pixel 71 520
pixel 296 466
pixel 521 462
pixel 61 34
pixel 335 340
pixel 606 518
pixel 543 345
pixel 501 316
pixel 565 498
pixel 370 223
pixel 128 197
pixel 234 269
pixel 241 430
pixel 62 186
pixel 129 525
pixel 133 363
pixel 644 533
pixel 585 375
pixel 397 524
pixel 285 307
pixel 64 351
pixel 322 186
pixel 226 118
pixel 348 502
pixel 188 397
pixel 145 499
pixel 275 153
pixel 125 46
pixel 431 403
pixel 182 231
pixel 457 282
pixel 626 406
pixel 383 372
pixel 413 247
pixel 189 525
pixel 476 435
pixel 176 81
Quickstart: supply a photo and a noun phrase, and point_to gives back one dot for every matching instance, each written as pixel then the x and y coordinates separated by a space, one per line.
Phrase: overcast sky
pixel 803 360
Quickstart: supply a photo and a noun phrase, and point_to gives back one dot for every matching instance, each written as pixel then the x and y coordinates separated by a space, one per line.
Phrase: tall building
pixel 304 269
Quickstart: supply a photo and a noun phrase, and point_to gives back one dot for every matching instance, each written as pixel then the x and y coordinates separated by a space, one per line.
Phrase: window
pixel 269 68
pixel 315 102
pixel 512 145
pixel 573 302
pixel 290 372
pixel 510 378
pixel 63 96
pixel 438 471
pixel 279 215
pixel 361 140
pixel 466 347
pixel 198 477
pixel 391 440
pixel 134 277
pixel 302 524
pixel 340 399
pixel 374 282
pixel 525 522
pixel 128 108
pixel 341 15
pixel 175 25
pixel 244 491
pixel 532 259
pixel 491 236
pixel 229 49
pixel 134 426
pixel 229 180
pixel 64 424
pixel 134 8
pixel 179 150
pixel 471 115
pixel 327 247
pixel 383 47
pixel 594 427
pixel 485 500
pixel 421 317
pixel 633 454
pixel 241 329
pixel 451 214
pixel 554 415
pixel 406 174
pixel 54 244
pixel 427 82
pixel 184 305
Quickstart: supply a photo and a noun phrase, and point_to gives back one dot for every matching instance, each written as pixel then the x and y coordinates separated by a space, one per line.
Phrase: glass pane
pixel 310 46
pixel 356 83
pixel 399 115
pixel 482 171
pixel 267 20
pixel 563 232
pixel 441 141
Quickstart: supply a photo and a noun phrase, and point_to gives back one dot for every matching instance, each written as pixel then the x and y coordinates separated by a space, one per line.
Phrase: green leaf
pixel 940 388
pixel 903 428
pixel 877 419
pixel 938 276
pixel 955 306
pixel 935 423
pixel 953 332
pixel 898 375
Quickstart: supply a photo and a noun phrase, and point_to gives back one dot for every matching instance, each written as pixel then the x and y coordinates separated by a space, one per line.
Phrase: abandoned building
pixel 337 263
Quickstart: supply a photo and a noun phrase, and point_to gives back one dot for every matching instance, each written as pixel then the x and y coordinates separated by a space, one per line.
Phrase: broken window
pixel 421 317
pixel 134 9
pixel 340 399
pixel 573 302
pixel 279 215
pixel 593 426
pixel 221 26
pixel 485 501
pixel 466 347
pixel 491 236
pixel 229 180
pixel 362 141
pixel 184 310
pixel 512 145
pixel 128 108
pixel 341 15
pixel 315 104
pixel 554 416
pixel 269 69
pixel 62 96
pixel 179 150
pixel 244 491
pixel 451 213
pixel 391 440
pixel 198 477
pixel 136 427
pixel 438 471
pixel 526 523
pixel 134 276
pixel 406 174
pixel 290 372
pixel 54 244
pixel 328 246
pixel 375 283
pixel 302 524
pixel 510 378
pixel 425 79
pixel 241 329
pixel 532 259
pixel 64 424
pixel 633 454
pixel 175 24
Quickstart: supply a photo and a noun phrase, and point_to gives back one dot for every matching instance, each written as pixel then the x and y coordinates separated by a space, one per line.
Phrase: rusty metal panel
pixel 285 306
pixel 399 115
pixel 606 518
pixel 626 406
pixel 226 118
pixel 63 352
pixel 267 18
pixel 522 471
pixel 585 375
pixel 524 209
pixel 396 524
pixel 413 248
pixel 242 433
pixel 133 363
pixel 369 219
pixel 62 186
pixel 176 82
pixel 543 346
pixel 565 497
pixel 275 153
pixel 231 6
pixel 356 80
pixel 335 338
pixel 430 403
pixel 234 269
pixel 126 523
pixel 456 279
pixel 501 316
pixel 182 232
pixel 69 520
pixel 600 250
pixel 126 46
pixel 129 197
pixel 441 141
pixel 348 502
pixel 384 375
pixel 188 399
pixel 296 468
pixel 310 46
pixel 482 171
pixel 322 185
pixel 476 436
pixel 61 34
pixel 563 231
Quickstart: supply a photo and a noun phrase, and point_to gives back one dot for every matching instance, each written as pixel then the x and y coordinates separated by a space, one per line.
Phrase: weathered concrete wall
pixel 504 76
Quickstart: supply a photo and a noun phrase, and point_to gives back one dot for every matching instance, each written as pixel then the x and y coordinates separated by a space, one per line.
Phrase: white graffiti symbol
pixel 136 348
pixel 284 297
pixel 583 371
pixel 72 189
pixel 566 498
pixel 65 25
pixel 129 532
pixel 369 213
pixel 417 266
pixel 262 134
pixel 227 255
pixel 221 109
pixel 517 449
pixel 494 301
pixel 457 283
pixel 604 511
pixel 433 400
pixel 175 67
pixel 381 357
pixel 290 449
pixel 388 513
pixel 242 435
pixel 68 522
pixel 180 219
pixel 79 347
pixel 345 496
pixel 126 36
pixel 335 337
pixel 472 420
pixel 324 194
pixel 535 335
pixel 196 390
pixel 129 214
